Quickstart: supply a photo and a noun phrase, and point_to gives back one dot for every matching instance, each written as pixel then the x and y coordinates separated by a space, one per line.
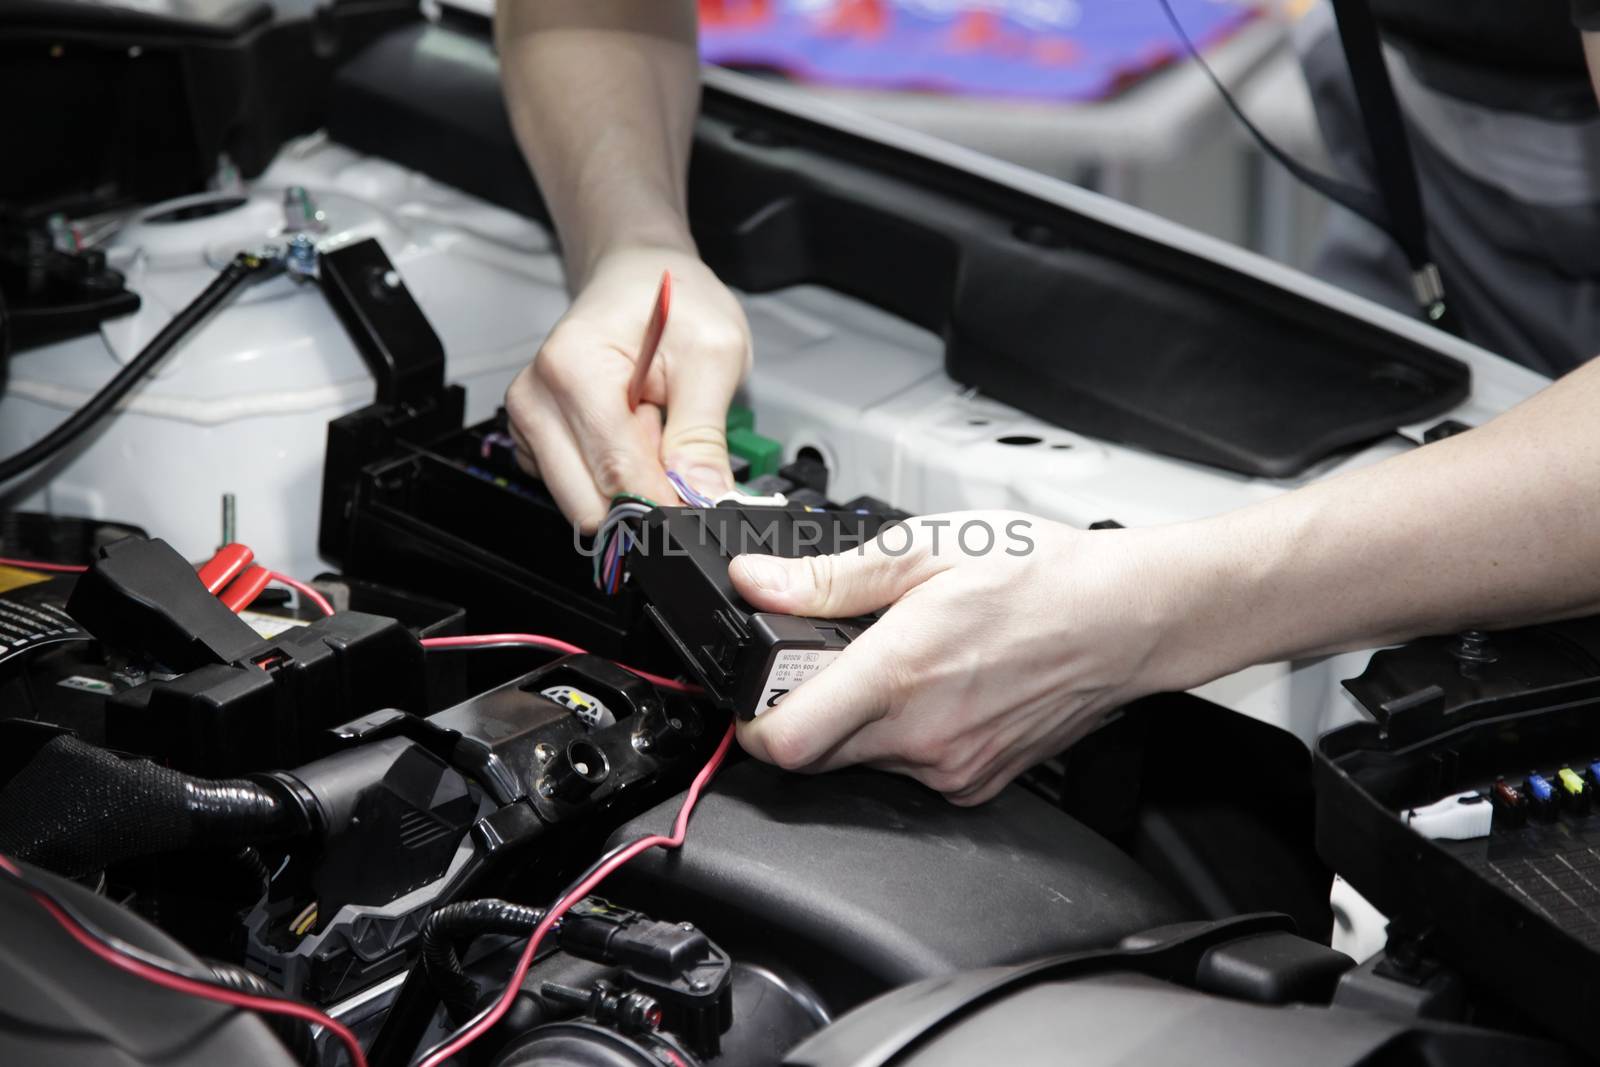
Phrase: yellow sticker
pixel 15 578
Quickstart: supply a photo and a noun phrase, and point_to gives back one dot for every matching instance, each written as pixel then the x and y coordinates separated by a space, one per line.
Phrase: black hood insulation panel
pixel 1066 316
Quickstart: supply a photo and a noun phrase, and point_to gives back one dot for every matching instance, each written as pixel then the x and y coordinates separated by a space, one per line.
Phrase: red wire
pixel 304 590
pixel 555 643
pixel 680 829
pixel 178 983
pixel 35 565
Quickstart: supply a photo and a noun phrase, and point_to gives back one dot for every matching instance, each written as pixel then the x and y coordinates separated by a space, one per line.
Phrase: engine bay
pixel 397 768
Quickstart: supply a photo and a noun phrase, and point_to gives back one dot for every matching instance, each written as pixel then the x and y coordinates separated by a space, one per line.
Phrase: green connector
pixel 763 454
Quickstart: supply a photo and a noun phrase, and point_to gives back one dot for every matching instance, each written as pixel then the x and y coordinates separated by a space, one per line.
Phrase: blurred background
pixel 1101 93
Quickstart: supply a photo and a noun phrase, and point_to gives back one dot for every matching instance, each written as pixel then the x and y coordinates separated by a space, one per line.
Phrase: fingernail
pixel 765 573
pixel 708 480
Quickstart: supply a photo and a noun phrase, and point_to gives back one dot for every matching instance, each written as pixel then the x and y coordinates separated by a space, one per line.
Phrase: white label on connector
pixel 792 668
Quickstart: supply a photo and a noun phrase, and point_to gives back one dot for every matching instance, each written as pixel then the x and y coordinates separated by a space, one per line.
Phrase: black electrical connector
pixel 677 965
pixel 747 660
pixel 625 1011
pixel 673 977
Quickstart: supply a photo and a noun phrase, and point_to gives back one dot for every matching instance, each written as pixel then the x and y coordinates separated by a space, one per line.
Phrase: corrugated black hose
pixel 76 809
pixel 459 923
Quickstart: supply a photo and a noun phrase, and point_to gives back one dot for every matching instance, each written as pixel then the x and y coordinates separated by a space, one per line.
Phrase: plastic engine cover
pixel 63 1005
pixel 860 880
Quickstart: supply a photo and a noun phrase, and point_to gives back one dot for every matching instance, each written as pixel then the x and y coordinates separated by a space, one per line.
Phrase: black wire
pixel 1363 202
pixel 244 268
pixel 563 895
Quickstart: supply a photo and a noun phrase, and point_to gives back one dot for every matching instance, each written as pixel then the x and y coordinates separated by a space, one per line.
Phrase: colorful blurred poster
pixel 1045 49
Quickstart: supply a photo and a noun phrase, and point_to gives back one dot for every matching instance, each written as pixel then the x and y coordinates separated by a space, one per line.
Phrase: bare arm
pixel 1492 528
pixel 603 96
pixel 986 664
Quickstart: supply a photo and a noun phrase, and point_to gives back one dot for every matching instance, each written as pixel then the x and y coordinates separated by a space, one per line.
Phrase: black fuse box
pixel 747 660
pixel 1511 716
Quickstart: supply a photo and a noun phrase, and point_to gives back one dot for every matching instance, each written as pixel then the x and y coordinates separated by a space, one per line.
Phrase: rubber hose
pixel 75 809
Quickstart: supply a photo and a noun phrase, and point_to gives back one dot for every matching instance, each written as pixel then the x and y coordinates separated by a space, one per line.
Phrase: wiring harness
pixel 615 537
pixel 582 887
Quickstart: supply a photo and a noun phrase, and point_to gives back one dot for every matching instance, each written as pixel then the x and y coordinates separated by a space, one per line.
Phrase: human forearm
pixel 603 95
pixel 1492 528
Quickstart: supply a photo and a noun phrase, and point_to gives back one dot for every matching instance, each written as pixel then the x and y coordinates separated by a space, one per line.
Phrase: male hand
pixel 569 408
pixel 1007 640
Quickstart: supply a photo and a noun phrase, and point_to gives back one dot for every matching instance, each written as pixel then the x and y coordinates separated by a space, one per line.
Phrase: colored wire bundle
pixel 586 884
pixel 169 975
pixel 614 538
pixel 691 496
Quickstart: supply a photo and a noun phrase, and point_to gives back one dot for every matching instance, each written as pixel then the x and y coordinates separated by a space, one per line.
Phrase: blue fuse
pixel 1594 774
pixel 1541 794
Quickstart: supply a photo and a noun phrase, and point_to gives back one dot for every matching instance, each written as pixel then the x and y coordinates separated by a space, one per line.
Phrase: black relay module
pixel 747 660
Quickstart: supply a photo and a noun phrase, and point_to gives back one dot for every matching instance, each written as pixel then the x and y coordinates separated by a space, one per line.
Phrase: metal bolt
pixel 543 752
pixel 391 278
pixel 699 985
pixel 1474 647
pixel 686 926
pixel 300 257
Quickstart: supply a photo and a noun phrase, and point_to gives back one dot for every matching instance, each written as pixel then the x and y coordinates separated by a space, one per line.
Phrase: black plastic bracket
pixel 388 328
pixel 413 404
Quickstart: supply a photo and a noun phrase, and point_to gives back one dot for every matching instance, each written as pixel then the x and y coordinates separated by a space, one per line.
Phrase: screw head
pixel 699 985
